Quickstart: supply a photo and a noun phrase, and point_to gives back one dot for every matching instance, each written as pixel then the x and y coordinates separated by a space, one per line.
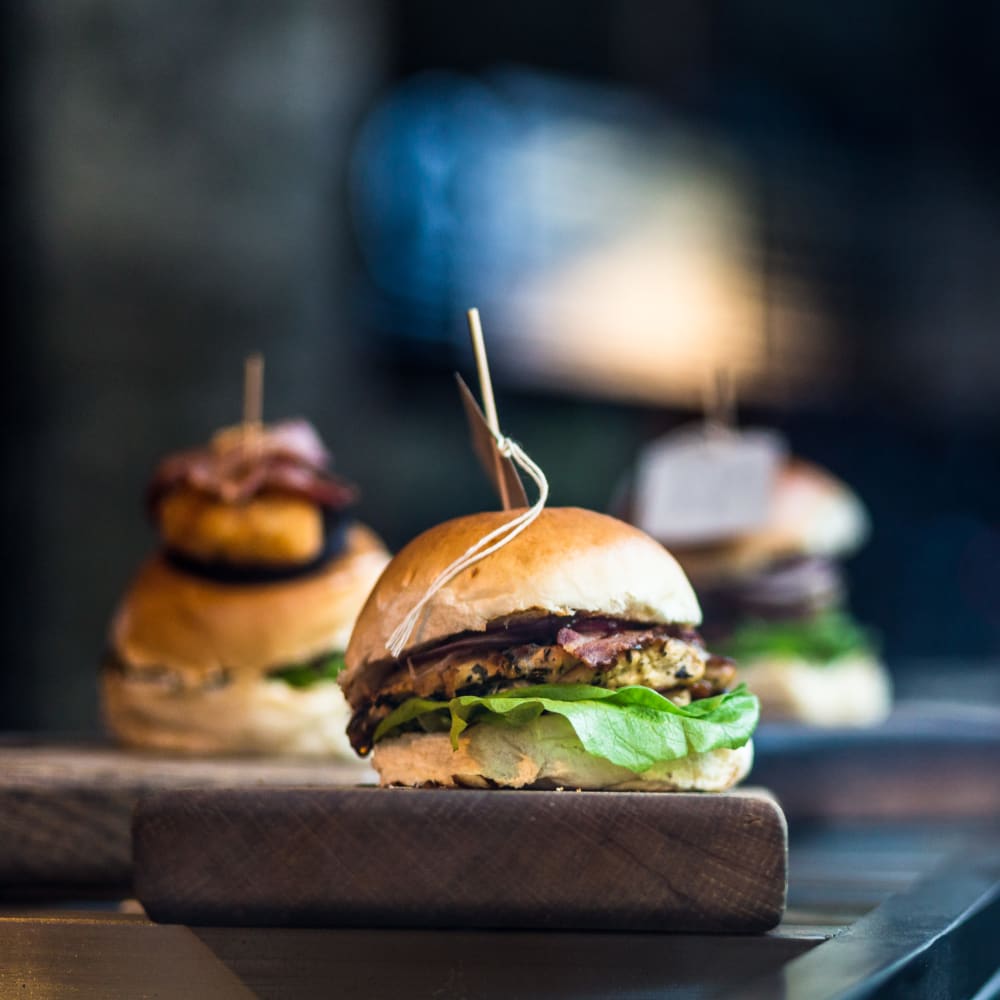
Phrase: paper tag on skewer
pixel 484 444
pixel 697 485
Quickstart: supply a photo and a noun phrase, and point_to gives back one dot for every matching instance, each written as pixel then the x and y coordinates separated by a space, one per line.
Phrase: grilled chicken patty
pixel 669 660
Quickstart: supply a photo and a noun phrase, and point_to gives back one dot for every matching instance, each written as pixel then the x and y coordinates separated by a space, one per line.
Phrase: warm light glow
pixel 647 315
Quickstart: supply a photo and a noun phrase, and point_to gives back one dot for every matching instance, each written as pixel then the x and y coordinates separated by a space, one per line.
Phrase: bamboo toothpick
pixel 483 367
pixel 489 403
pixel 253 397
pixel 719 400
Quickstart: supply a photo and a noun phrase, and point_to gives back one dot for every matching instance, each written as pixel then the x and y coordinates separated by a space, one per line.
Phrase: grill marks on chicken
pixel 602 652
pixel 475 673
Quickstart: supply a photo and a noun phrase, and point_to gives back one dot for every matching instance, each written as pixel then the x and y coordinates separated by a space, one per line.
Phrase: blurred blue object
pixel 462 187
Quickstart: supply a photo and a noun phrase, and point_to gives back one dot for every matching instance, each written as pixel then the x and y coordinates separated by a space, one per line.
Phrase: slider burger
pixel 777 600
pixel 231 636
pixel 567 658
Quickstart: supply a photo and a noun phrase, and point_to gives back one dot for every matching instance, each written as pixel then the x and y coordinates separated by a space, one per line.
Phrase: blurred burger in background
pixel 231 636
pixel 776 599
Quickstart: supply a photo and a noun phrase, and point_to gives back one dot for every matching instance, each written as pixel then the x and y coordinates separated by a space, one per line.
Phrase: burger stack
pixel 567 658
pixel 776 598
pixel 232 635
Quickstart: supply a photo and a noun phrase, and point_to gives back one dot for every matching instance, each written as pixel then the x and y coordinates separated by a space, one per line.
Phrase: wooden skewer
pixel 719 400
pixel 486 390
pixel 483 367
pixel 253 397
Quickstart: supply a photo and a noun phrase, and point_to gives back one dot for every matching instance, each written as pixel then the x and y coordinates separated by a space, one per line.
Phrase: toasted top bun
pixel 173 619
pixel 812 514
pixel 566 561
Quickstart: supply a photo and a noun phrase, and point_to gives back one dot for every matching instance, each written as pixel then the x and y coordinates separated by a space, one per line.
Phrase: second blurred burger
pixel 772 588
pixel 230 638
pixel 780 595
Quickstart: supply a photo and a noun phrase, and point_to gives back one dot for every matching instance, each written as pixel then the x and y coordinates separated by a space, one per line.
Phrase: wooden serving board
pixel 369 857
pixel 66 809
pixel 929 760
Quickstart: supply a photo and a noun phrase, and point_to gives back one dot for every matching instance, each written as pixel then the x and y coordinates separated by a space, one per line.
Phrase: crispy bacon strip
pixel 598 643
pixel 285 458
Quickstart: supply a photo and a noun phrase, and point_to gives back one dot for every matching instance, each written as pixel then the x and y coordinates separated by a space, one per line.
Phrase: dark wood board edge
pixel 891 783
pixel 485 859
pixel 70 836
pixel 66 807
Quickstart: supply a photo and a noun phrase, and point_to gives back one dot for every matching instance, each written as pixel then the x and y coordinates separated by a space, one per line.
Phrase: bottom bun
pixel 849 691
pixel 248 716
pixel 543 754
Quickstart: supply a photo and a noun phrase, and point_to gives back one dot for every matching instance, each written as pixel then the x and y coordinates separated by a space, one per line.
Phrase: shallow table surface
pixel 873 910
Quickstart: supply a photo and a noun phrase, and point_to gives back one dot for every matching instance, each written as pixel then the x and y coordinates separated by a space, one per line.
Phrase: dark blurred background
pixel 631 192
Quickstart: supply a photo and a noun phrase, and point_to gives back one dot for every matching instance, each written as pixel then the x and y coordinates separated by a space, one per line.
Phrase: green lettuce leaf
pixel 633 727
pixel 303 675
pixel 821 639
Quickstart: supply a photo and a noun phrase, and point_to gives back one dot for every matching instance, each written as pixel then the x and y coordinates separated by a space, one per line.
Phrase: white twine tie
pixel 499 537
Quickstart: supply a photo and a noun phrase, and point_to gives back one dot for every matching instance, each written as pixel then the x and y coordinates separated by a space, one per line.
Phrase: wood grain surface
pixel 66 810
pixel 368 857
pixel 874 910
pixel 929 760
pixel 109 957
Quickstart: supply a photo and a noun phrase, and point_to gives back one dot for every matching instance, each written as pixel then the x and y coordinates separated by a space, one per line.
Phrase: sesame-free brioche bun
pixel 568 560
pixel 812 514
pixel 192 625
pixel 191 657
pixel 545 753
